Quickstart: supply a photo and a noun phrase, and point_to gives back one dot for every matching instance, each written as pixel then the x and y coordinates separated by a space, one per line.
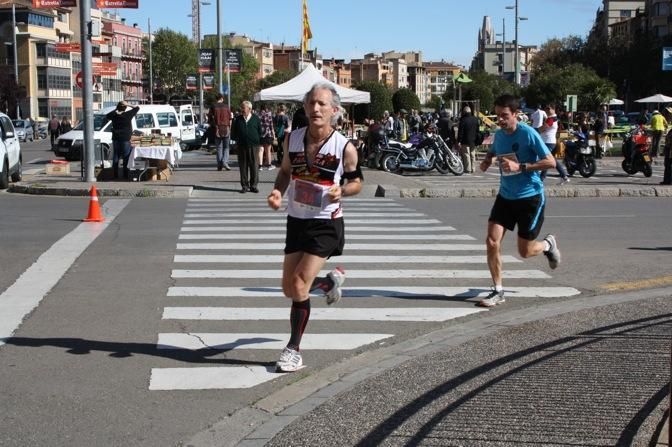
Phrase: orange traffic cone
pixel 95 215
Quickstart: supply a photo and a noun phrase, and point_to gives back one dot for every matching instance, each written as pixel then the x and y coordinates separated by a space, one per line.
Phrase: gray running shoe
pixel 290 361
pixel 553 253
pixel 493 299
pixel 337 276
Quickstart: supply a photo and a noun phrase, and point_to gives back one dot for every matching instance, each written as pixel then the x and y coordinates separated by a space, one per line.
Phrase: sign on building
pixel 233 59
pixel 206 60
pixel 667 58
pixel 101 4
pixel 54 3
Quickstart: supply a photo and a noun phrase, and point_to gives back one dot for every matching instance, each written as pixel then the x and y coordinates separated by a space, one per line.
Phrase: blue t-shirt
pixel 527 147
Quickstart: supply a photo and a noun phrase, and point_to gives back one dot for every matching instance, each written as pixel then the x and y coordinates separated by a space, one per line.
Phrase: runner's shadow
pixel 651 248
pixel 79 346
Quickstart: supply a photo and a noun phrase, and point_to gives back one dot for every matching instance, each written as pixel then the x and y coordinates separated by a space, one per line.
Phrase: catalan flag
pixel 307 34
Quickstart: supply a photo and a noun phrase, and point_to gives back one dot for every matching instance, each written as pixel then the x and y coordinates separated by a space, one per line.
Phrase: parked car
pixel 164 118
pixel 10 153
pixel 24 130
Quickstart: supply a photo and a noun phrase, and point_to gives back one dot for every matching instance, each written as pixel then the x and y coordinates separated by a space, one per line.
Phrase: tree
pixel 405 98
pixel 174 57
pixel 558 53
pixel 485 88
pixel 434 103
pixel 276 78
pixel 381 100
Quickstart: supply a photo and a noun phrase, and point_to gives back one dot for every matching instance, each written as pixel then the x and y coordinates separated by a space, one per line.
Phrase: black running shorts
pixel 527 213
pixel 319 237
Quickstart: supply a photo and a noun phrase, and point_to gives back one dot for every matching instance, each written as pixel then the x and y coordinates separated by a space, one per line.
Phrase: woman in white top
pixel 319 168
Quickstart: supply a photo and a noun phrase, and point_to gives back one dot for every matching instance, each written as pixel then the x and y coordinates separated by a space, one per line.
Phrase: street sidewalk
pixel 197 170
pixel 577 372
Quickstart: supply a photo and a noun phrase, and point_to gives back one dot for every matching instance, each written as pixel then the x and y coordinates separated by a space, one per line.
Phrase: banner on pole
pixel 192 82
pixel 233 59
pixel 101 4
pixel 206 60
pixel 54 3
pixel 208 81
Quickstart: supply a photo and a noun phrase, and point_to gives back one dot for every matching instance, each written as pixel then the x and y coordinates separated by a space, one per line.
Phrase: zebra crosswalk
pixel 227 271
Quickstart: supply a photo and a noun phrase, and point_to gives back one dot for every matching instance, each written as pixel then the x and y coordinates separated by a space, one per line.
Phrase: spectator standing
pixel 281 126
pixel 54 125
pixel 65 126
pixel 466 136
pixel 520 201
pixel 538 118
pixel 658 126
pixel 548 132
pixel 267 137
pixel 246 130
pixel 319 169
pixel 299 119
pixel 388 124
pixel 219 117
pixel 121 135
pixel 401 126
pixel 445 125
pixel 414 122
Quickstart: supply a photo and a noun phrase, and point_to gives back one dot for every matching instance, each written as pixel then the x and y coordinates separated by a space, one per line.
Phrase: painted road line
pixel 323 314
pixel 350 246
pixel 210 378
pixel 347 259
pixel 661 281
pixel 26 293
pixel 369 221
pixel 255 200
pixel 349 230
pixel 32 171
pixel 363 274
pixel 419 292
pixel 215 208
pixel 272 213
pixel 281 236
pixel 227 342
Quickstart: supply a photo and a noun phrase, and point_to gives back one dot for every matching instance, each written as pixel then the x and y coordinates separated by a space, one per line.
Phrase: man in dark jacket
pixel 219 118
pixel 246 131
pixel 121 135
pixel 445 125
pixel 466 136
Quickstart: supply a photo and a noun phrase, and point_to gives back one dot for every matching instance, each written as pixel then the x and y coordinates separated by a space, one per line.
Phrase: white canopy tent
pixel 658 98
pixel 295 89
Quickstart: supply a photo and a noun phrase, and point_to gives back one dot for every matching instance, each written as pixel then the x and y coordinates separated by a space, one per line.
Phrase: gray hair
pixel 247 104
pixel 335 99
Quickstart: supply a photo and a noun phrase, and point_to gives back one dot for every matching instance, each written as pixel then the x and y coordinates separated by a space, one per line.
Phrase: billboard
pixel 206 60
pixel 208 81
pixel 192 82
pixel 116 4
pixel 54 3
pixel 233 59
pixel 667 58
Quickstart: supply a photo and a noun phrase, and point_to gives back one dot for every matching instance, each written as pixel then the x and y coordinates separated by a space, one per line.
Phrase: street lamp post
pixel 220 52
pixel 516 63
pixel 503 34
pixel 197 28
pixel 16 60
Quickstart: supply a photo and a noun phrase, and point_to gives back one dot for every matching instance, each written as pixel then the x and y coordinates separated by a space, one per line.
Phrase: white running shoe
pixel 553 253
pixel 290 361
pixel 271 167
pixel 337 276
pixel 564 180
pixel 493 299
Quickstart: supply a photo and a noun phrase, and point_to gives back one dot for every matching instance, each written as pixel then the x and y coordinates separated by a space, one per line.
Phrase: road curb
pixel 44 190
pixel 555 192
pixel 276 411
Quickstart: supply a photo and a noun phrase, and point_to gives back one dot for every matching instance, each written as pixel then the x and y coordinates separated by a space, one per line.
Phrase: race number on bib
pixel 308 195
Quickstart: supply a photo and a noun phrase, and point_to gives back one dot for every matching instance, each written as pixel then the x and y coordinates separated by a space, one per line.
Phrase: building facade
pixel 612 12
pixel 122 46
pixel 261 51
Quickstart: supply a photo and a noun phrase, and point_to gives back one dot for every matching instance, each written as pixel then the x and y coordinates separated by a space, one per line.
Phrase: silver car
pixel 24 130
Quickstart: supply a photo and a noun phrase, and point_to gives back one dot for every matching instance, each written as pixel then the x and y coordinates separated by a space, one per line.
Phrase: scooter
pixel 635 151
pixel 580 155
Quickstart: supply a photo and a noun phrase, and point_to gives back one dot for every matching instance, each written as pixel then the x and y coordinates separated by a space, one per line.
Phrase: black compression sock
pixel 298 319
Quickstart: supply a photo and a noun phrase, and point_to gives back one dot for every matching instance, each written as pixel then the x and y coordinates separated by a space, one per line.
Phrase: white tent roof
pixel 656 98
pixel 297 87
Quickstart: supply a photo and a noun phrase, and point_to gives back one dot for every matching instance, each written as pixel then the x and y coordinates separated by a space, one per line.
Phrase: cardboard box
pixel 163 174
pixel 58 168
pixel 151 174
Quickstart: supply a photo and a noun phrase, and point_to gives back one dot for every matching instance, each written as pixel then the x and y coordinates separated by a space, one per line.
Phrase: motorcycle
pixel 423 152
pixel 371 150
pixel 580 155
pixel 636 152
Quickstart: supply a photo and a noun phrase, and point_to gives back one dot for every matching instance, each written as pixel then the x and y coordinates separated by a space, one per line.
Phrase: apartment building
pixel 342 74
pixel 122 44
pixel 612 12
pixel 659 17
pixel 372 68
pixel 441 76
pixel 263 52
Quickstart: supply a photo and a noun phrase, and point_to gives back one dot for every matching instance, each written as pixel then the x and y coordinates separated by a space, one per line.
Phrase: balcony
pixel 132 54
pixel 131 79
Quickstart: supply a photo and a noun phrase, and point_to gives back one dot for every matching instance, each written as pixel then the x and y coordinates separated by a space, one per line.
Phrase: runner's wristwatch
pixel 523 167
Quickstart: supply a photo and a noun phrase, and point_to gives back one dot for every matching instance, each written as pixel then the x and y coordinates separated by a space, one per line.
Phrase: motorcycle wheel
pixel 571 169
pixel 587 167
pixel 627 167
pixel 442 166
pixel 648 171
pixel 454 164
pixel 390 163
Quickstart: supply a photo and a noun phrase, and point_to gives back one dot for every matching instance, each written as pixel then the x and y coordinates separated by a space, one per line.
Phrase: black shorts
pixel 266 140
pixel 319 237
pixel 527 213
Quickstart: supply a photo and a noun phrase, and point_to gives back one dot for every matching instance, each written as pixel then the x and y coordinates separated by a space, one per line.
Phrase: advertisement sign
pixel 192 82
pixel 206 60
pixel 667 58
pixel 233 59
pixel 116 4
pixel 54 3
pixel 105 68
pixel 71 47
pixel 208 81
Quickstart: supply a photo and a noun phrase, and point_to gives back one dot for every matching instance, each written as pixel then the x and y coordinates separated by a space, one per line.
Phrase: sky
pixel 345 29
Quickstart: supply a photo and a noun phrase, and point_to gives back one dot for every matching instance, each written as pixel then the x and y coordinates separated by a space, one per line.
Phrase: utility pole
pixel 16 61
pixel 151 68
pixel 517 55
pixel 220 51
pixel 87 89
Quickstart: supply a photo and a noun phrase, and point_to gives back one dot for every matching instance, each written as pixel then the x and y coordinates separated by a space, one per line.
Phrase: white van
pixel 166 118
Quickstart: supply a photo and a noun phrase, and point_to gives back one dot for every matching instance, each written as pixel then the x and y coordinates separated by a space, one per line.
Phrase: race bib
pixel 512 157
pixel 308 195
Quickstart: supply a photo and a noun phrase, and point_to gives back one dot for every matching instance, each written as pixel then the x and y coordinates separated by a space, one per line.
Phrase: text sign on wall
pixel 54 3
pixel 116 4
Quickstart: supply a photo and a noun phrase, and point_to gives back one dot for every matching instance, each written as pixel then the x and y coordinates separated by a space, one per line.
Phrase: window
pixel 626 13
pixel 167 119
pixel 43 107
pixel 144 121
pixel 6 126
pixel 42 78
pixel 59 78
pixel 41 49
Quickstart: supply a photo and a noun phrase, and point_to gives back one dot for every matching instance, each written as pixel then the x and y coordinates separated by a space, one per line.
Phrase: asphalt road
pixel 78 371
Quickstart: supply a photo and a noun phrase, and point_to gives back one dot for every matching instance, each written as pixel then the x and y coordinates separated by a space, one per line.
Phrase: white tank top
pixel 307 195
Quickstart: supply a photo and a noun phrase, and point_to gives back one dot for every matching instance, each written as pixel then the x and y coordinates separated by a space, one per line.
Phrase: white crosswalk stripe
pixel 243 242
